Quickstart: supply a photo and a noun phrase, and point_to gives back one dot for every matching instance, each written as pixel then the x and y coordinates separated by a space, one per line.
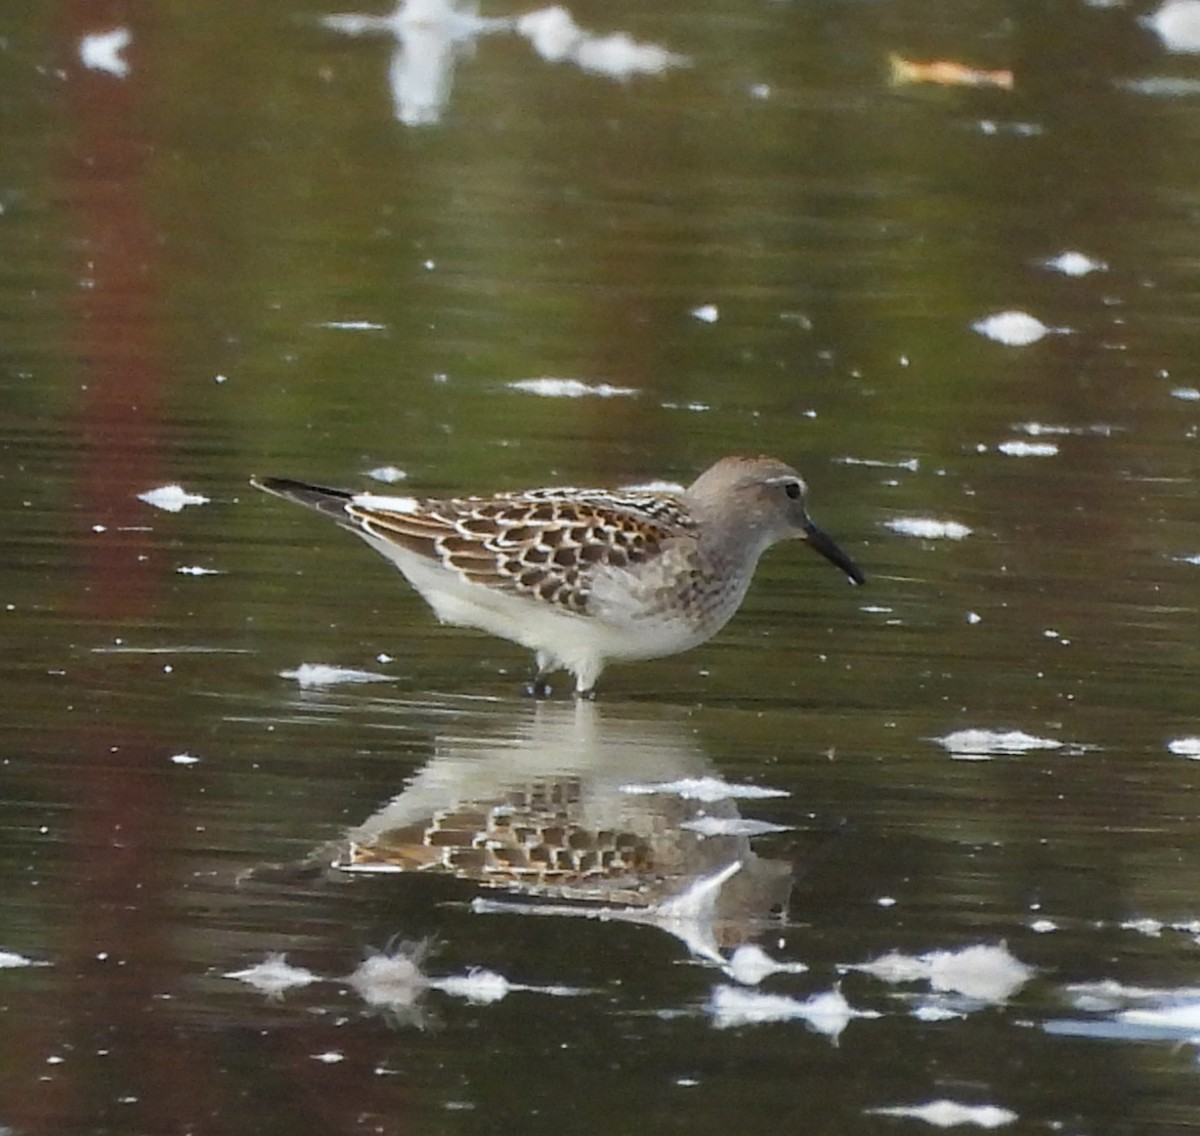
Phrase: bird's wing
pixel 547 544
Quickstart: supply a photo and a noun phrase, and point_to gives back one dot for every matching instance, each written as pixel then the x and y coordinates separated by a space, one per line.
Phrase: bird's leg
pixel 538 687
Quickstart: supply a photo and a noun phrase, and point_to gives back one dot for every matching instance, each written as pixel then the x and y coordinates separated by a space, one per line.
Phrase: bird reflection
pixel 431 35
pixel 582 812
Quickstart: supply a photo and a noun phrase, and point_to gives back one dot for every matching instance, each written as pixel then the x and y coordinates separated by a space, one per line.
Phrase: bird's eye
pixel 792 489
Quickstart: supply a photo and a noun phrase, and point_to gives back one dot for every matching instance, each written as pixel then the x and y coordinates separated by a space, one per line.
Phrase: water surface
pixel 253 240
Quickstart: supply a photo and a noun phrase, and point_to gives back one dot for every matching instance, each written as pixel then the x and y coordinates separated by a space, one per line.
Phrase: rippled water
pixel 871 860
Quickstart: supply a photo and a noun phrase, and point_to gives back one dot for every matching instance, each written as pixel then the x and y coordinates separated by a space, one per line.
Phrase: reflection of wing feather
pixel 547 544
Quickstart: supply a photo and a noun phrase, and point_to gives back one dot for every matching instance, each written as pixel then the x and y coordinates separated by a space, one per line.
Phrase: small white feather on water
pixel 750 964
pixel 951 1114
pixel 569 388
pixel 828 1013
pixel 732 826
pixel 978 743
pixel 389 474
pixel 1013 328
pixel 1177 25
pixel 984 973
pixel 102 51
pixel 927 528
pixel 1072 263
pixel 704 789
pixel 172 498
pixel 320 674
pixel 11 960
pixel 1019 449
pixel 274 975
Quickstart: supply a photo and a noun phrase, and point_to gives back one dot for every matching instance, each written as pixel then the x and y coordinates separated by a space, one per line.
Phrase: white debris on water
pixel 1186 394
pixel 1185 747
pixel 750 964
pixel 320 674
pixel 1017 449
pixel 482 987
pixel 353 325
pixel 982 743
pixel 704 789
pixel 1108 994
pixel 329 1057
pixel 1161 86
pixel 1178 1018
pixel 274 975
pixel 184 759
pixel 557 38
pixel 982 972
pixel 101 51
pixel 926 528
pixel 479 986
pixel 1177 25
pixel 912 465
pixel 391 980
pixel 569 388
pixel 172 498
pixel 707 313
pixel 10 960
pixel 1039 429
pixel 827 1014
pixel 1013 329
pixel 732 826
pixel 197 570
pixel 950 1114
pixel 1072 263
pixel 389 474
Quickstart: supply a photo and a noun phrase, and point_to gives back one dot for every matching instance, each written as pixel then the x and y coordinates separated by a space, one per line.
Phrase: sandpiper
pixel 585 577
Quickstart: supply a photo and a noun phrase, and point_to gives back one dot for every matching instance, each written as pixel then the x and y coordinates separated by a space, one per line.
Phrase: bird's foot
pixel 537 688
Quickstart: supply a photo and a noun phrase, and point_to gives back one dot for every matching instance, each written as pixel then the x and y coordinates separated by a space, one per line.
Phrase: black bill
pixel 828 547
